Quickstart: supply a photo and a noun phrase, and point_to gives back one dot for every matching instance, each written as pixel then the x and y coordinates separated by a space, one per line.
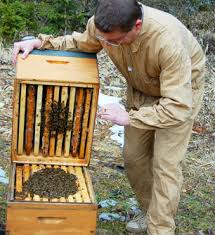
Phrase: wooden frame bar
pixel 38 120
pixel 70 119
pixel 45 139
pixel 77 121
pixel 29 130
pixel 60 136
pixel 22 119
pixel 91 123
pixel 16 105
pixel 85 123
pixel 53 133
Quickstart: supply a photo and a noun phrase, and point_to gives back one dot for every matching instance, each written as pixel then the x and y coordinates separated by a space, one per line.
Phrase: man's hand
pixel 26 47
pixel 115 114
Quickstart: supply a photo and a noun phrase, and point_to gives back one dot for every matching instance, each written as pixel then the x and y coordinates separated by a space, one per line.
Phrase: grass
pixel 3 192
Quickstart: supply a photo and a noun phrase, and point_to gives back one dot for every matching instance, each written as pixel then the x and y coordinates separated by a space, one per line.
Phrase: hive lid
pixel 61 66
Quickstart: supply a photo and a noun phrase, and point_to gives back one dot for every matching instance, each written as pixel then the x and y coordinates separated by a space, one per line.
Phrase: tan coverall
pixel 164 69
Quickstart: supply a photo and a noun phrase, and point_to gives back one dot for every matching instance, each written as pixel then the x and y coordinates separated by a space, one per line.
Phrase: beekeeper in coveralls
pixel 164 68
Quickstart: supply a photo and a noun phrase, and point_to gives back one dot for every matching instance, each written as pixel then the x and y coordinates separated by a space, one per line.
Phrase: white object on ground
pixel 3 178
pixel 106 99
pixel 117 131
pixel 117 134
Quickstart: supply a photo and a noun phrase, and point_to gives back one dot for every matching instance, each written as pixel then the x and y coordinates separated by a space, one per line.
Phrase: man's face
pixel 117 38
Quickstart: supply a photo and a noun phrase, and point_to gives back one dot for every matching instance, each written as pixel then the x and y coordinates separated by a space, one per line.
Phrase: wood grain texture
pixel 85 123
pixel 26 175
pixel 15 120
pixel 45 139
pixel 29 130
pixel 92 123
pixel 83 70
pixel 82 184
pixel 38 120
pixel 53 133
pixel 77 121
pixel 77 197
pixel 22 119
pixel 70 120
pixel 19 179
pixel 60 136
pixel 79 219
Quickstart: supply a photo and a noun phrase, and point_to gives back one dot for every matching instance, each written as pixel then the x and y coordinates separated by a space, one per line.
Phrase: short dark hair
pixel 113 15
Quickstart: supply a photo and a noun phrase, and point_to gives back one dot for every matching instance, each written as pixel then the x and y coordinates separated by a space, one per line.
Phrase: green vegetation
pixel 26 17
pixel 19 17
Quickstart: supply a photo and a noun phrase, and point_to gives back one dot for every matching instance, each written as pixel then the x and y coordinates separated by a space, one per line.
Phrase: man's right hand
pixel 26 47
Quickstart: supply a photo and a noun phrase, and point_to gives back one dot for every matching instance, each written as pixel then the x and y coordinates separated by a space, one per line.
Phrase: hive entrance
pixel 51 184
pixel 53 121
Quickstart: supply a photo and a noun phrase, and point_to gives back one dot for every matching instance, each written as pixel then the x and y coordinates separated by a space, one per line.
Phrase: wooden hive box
pixel 54 109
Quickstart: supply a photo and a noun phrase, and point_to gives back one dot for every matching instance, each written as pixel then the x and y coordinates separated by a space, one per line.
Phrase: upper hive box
pixel 55 104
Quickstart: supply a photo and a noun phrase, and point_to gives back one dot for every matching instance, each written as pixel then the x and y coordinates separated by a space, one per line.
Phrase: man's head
pixel 118 21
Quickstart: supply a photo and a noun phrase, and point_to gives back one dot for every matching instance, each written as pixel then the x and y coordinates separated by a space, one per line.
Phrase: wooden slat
pixel 26 175
pixel 64 168
pixel 70 119
pixel 22 119
pixel 89 185
pixel 19 180
pixel 51 160
pixel 53 133
pixel 77 196
pixel 29 129
pixel 15 132
pixel 82 184
pixel 77 121
pixel 45 139
pixel 34 169
pixel 54 83
pixel 71 198
pixel 26 172
pixel 85 123
pixel 64 97
pixel 91 124
pixel 38 120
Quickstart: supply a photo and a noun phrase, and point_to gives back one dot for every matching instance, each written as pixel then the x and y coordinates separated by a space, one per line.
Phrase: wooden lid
pixel 58 66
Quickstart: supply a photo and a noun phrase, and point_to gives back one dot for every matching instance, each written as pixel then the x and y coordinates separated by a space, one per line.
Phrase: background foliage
pixel 59 17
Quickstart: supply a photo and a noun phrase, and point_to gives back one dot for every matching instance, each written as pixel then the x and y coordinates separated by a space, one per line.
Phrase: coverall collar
pixel 136 44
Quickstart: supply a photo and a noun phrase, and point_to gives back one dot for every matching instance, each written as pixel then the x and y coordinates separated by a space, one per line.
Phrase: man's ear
pixel 138 24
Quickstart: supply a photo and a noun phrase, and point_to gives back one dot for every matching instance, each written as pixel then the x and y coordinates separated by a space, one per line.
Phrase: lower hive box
pixel 32 214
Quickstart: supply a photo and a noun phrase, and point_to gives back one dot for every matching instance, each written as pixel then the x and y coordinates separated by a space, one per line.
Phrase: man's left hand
pixel 115 114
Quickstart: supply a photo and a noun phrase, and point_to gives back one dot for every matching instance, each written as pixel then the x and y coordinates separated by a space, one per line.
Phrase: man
pixel 164 68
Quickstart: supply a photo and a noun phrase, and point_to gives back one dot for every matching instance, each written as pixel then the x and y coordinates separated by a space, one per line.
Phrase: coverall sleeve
pixel 175 105
pixel 85 42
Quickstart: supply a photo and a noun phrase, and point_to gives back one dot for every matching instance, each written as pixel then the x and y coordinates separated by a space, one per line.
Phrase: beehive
pixel 55 103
